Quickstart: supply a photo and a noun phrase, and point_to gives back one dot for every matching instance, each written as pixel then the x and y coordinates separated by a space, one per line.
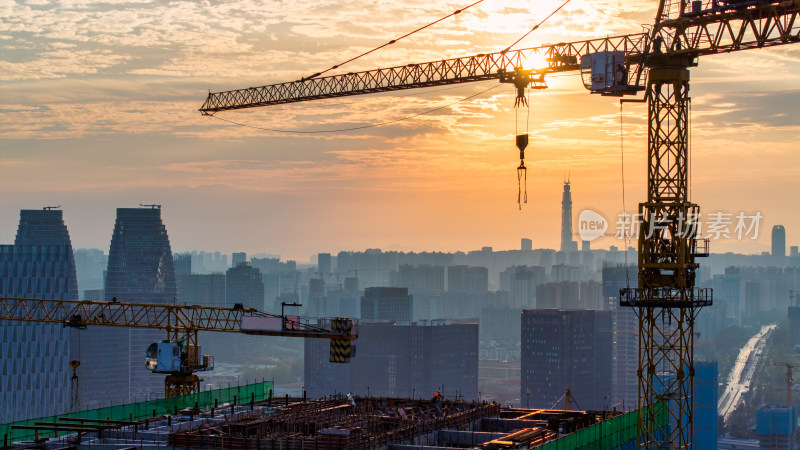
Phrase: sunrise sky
pixel 99 99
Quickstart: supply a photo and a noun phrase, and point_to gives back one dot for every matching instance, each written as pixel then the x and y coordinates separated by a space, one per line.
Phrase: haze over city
pixel 99 106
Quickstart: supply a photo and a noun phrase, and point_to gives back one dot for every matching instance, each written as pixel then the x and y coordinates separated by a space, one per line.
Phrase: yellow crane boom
pixel 182 324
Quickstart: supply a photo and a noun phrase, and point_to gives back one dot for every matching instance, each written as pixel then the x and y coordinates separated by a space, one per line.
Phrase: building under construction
pixel 343 422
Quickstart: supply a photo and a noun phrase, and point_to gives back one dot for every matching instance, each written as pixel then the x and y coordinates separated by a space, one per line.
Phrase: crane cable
pixel 458 11
pixel 535 27
pixel 622 176
pixel 373 125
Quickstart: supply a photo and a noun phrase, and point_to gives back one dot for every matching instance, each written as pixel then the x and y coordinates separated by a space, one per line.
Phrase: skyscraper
pixel 778 243
pixel 567 244
pixel 140 269
pixel 565 349
pixel 35 357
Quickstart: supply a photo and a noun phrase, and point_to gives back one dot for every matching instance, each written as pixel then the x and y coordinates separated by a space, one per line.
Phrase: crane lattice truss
pixel 181 322
pixel 666 301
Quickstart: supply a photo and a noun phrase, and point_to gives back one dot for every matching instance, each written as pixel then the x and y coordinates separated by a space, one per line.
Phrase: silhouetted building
pixel 183 263
pixel 202 289
pixel 35 356
pixel 467 279
pixel 565 349
pixel 419 279
pixel 567 244
pixel 324 264
pixel 140 269
pixel 238 258
pixel 520 282
pixel 317 300
pixel 243 285
pixel 387 303
pixel 570 295
pixel 90 264
pixel 400 361
pixel 625 351
pixel 526 245
pixel 778 242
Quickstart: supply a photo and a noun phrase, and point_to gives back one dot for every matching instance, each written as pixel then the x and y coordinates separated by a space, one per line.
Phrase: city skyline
pixel 100 111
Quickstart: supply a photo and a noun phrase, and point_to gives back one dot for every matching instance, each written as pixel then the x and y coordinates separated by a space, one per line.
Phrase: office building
pixel 183 263
pixel 625 351
pixel 776 426
pixel 704 430
pixel 412 360
pixel 779 243
pixel 238 258
pixel 35 357
pixel 526 245
pixel 520 282
pixel 140 269
pixel 387 304
pixel 566 349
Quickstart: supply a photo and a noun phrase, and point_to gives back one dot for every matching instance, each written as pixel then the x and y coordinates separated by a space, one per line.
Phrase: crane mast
pixel 666 301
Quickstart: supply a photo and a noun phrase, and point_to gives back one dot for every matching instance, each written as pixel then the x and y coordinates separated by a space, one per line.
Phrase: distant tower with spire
pixel 567 244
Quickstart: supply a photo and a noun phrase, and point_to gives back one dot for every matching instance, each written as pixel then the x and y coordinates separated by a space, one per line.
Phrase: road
pixel 741 376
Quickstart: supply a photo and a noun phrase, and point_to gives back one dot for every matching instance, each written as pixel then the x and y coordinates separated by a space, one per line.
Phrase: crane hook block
pixel 522 141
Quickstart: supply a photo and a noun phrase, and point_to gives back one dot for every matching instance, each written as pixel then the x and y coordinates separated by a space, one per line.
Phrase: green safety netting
pixel 152 408
pixel 609 434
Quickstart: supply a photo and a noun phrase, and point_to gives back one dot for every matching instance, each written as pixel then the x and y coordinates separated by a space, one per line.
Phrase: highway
pixel 741 376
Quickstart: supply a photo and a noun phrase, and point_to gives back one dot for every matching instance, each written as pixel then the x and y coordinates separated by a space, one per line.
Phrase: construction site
pixel 342 422
pixel 651 67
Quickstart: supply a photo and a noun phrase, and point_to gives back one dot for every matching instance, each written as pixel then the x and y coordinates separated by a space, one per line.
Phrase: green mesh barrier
pixel 609 434
pixel 151 408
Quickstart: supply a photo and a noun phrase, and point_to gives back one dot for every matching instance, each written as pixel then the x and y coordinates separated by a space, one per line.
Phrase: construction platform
pixel 343 423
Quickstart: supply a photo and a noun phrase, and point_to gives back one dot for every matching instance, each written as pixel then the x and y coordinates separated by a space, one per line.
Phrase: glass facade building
pixel 140 269
pixel 34 357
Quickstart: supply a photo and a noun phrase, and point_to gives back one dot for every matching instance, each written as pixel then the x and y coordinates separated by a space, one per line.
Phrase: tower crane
pixel 179 356
pixel 658 63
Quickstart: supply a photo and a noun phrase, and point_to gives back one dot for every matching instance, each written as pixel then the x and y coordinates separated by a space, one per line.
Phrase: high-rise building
pixel 412 360
pixel 704 431
pixel 324 264
pixel 243 285
pixel 140 269
pixel 183 263
pixel 625 352
pixel 526 245
pixel 35 356
pixel 776 426
pixel 387 303
pixel 566 349
pixel 567 244
pixel 520 282
pixel 467 279
pixel 90 264
pixel 778 243
pixel 201 289
pixel 238 258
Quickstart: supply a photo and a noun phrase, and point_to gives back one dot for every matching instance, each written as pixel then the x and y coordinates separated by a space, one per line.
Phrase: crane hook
pixel 522 171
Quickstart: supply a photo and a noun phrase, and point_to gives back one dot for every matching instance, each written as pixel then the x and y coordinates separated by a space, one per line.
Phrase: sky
pixel 99 99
